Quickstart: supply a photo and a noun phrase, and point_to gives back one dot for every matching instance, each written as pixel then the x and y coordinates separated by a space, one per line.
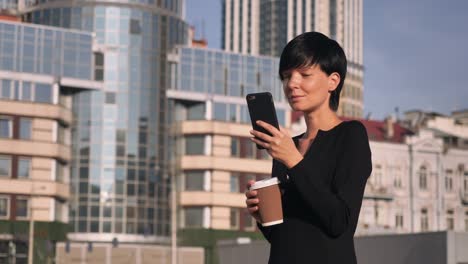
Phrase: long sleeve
pixel 337 207
pixel 265 231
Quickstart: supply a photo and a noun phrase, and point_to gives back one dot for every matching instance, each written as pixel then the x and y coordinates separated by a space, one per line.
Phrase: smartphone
pixel 261 107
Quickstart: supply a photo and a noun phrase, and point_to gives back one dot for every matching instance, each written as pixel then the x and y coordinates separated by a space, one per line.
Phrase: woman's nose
pixel 294 81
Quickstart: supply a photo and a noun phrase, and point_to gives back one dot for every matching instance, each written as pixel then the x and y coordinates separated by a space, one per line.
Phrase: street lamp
pixel 31 228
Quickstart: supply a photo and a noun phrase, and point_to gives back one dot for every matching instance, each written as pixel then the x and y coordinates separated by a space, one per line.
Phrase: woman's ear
pixel 333 81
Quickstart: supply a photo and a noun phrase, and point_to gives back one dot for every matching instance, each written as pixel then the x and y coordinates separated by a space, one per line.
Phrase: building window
pixel 22 207
pixel 98 66
pixel 376 178
pixel 135 27
pixel 59 171
pixel 4 208
pixel 196 111
pixel 399 221
pixel 466 221
pixel 59 210
pixel 6 89
pixel 25 128
pixel 450 220
pixel 235 149
pixel 193 217
pixel 5 166
pixel 249 221
pixel 26 94
pixel 110 98
pixel 234 182
pixel 195 145
pixel 43 93
pixel 424 220
pixel 397 180
pixel 423 178
pixel 194 180
pixel 249 149
pixel 24 168
pixel 465 184
pixel 448 180
pixel 6 127
pixel 234 218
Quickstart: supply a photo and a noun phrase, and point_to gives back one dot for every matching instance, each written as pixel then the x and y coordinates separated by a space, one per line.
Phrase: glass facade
pixel 273 26
pixel 119 173
pixel 227 75
pixel 42 50
pixel 8 4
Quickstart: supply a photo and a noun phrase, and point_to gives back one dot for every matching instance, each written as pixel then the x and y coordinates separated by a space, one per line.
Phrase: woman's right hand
pixel 252 201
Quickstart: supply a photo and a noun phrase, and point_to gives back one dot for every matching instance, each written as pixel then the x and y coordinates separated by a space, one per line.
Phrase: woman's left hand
pixel 280 145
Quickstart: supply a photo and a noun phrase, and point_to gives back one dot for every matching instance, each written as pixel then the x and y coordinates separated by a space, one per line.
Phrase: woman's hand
pixel 280 145
pixel 252 201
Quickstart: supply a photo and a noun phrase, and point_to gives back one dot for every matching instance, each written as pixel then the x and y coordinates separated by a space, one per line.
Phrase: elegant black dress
pixel 322 197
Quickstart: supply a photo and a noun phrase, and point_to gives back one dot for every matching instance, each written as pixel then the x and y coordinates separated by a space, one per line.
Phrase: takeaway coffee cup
pixel 269 207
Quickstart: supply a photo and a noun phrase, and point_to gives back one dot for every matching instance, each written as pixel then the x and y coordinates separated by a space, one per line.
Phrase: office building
pixel 213 157
pixel 119 170
pixel 41 69
pixel 265 27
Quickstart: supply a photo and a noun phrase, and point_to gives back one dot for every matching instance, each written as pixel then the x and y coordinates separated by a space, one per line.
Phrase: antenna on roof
pixel 397 113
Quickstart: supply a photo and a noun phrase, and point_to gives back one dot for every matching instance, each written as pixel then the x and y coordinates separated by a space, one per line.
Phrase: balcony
pixel 31 109
pixel 200 162
pixel 35 148
pixel 201 198
pixel 378 192
pixel 35 188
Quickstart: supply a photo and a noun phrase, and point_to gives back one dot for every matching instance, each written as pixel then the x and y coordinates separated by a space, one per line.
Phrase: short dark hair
pixel 314 48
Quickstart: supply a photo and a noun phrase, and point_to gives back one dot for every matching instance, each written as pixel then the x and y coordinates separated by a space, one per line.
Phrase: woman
pixel 323 171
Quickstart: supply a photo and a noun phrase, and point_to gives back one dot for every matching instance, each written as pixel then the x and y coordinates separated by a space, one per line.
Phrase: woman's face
pixel 307 89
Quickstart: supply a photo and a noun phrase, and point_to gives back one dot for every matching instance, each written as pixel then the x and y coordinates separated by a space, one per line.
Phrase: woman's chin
pixel 296 107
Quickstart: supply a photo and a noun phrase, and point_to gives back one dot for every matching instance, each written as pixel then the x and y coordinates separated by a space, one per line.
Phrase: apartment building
pixel 37 79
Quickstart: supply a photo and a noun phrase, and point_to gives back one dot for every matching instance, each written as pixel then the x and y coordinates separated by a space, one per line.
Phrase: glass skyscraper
pixel 282 20
pixel 120 186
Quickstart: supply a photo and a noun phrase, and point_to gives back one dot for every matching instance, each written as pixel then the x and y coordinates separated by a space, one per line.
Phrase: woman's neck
pixel 323 120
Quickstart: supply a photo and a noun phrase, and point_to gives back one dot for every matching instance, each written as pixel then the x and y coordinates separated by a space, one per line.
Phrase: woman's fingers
pixel 261 143
pixel 273 130
pixel 253 210
pixel 260 135
pixel 251 202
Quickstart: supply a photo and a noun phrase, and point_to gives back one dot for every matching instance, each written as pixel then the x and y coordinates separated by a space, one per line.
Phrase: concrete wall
pixel 105 253
pixel 402 249
pixel 421 248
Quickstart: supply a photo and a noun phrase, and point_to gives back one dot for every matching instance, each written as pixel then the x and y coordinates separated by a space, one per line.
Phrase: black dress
pixel 322 197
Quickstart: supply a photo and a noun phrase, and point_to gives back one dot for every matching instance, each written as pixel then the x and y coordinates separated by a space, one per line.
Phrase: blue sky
pixel 415 52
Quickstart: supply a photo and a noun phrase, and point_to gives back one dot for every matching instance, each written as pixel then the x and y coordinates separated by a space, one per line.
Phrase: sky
pixel 415 52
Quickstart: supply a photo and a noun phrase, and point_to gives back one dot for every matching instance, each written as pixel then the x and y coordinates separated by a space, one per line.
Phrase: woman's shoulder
pixel 353 129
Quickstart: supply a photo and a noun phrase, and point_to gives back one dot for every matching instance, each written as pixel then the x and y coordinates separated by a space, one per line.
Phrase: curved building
pixel 119 174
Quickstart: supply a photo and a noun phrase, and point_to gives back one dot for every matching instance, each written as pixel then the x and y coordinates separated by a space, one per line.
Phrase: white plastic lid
pixel 264 183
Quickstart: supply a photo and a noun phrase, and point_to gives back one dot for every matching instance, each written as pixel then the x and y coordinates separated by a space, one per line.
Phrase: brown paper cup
pixel 269 206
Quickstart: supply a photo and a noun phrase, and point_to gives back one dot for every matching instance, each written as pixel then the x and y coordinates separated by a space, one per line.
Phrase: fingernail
pixel 258 121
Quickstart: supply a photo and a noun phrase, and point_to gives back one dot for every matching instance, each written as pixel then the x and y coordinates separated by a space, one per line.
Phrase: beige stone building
pixel 35 136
